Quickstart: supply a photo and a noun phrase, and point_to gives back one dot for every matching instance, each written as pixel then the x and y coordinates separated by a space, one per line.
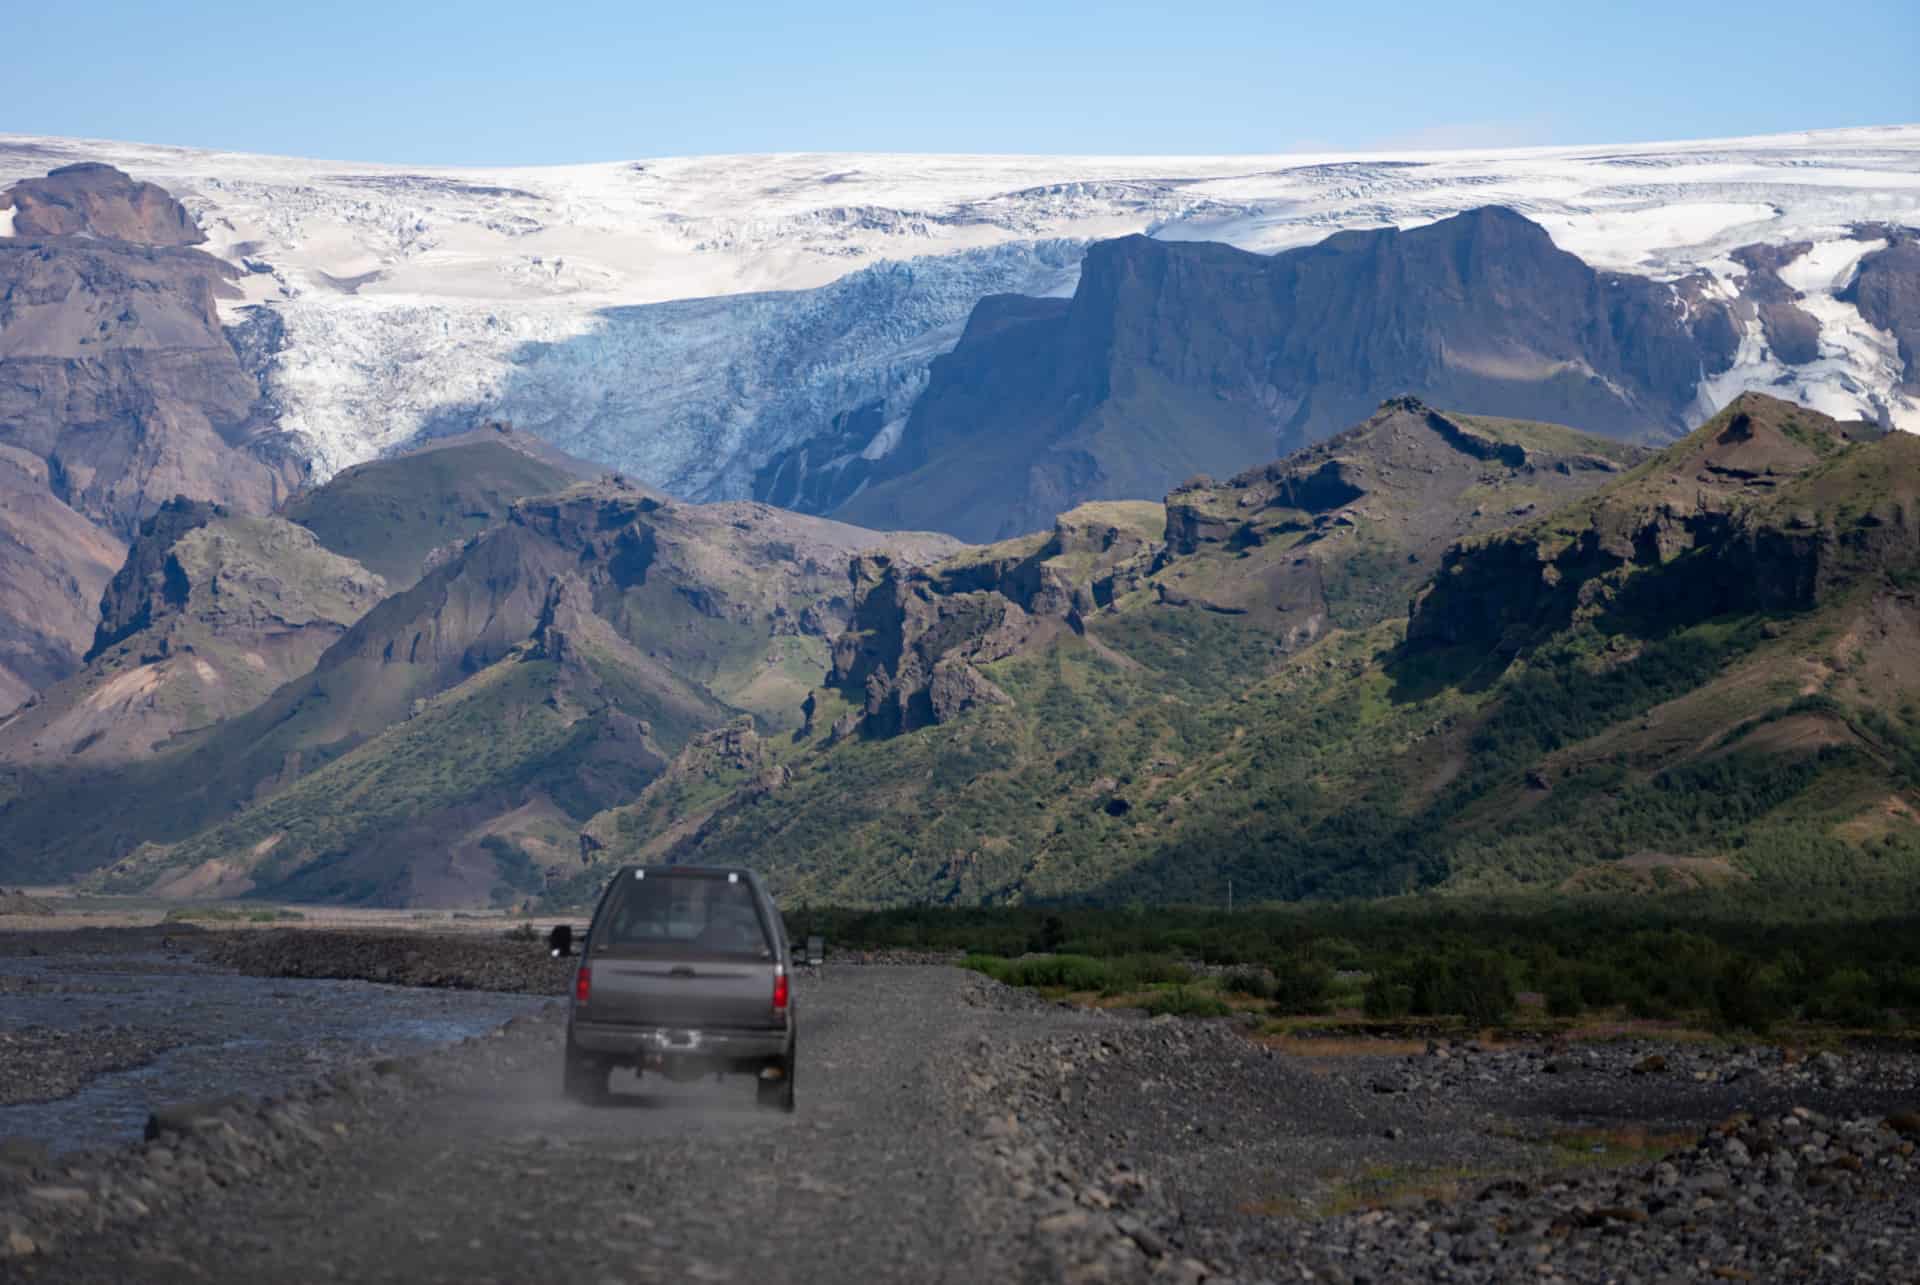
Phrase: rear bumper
pixel 654 1045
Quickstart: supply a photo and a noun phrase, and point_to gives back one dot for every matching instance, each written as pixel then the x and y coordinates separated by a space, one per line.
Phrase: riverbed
pixel 103 1038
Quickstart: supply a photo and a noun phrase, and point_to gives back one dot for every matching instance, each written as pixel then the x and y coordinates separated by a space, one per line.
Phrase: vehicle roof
pixel 742 871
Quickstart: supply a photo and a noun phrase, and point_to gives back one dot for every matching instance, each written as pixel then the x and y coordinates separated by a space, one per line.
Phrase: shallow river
pixel 232 1034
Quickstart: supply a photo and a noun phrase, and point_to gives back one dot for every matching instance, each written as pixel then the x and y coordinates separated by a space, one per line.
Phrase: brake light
pixel 582 983
pixel 780 989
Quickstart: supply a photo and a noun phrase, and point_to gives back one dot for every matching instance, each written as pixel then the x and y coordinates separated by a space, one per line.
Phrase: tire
pixel 778 1094
pixel 584 1078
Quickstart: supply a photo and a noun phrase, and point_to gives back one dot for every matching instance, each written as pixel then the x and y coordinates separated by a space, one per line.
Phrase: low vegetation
pixel 1600 699
pixel 232 915
pixel 1726 960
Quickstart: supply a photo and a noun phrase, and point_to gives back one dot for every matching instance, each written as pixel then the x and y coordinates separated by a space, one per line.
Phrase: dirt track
pixel 951 1130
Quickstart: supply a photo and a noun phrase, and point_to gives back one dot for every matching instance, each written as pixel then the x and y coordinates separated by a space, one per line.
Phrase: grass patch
pixel 1186 1001
pixel 1384 1186
pixel 1617 1147
pixel 231 915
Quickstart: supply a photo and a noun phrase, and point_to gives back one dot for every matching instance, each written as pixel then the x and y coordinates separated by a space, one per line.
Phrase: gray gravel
pixel 466 1165
pixel 456 961
pixel 950 1129
pixel 1160 1147
pixel 40 1064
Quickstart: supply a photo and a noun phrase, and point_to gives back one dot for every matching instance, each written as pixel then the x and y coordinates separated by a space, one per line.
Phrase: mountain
pixel 54 564
pixel 1176 359
pixel 211 612
pixel 440 746
pixel 94 200
pixel 119 389
pixel 1333 537
pixel 114 366
pixel 448 804
pixel 1688 666
pixel 395 514
pixel 729 327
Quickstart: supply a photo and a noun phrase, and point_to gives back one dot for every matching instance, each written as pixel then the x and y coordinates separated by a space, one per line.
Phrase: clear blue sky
pixel 521 82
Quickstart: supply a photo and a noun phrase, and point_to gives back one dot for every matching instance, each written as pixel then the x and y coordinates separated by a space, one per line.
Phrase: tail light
pixel 780 990
pixel 582 983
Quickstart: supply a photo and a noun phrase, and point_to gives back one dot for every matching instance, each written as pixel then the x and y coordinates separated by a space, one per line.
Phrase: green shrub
pixel 1483 989
pixel 1564 995
pixel 1067 972
pixel 1134 972
pixel 1385 998
pixel 1847 996
pixel 1602 986
pixel 1747 997
pixel 1182 1001
pixel 1249 981
pixel 1301 985
pixel 1476 986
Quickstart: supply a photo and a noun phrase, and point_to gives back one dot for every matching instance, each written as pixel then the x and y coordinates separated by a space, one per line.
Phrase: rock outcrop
pixel 1337 535
pixel 1886 289
pixel 911 653
pixel 116 369
pixel 1340 533
pixel 53 566
pixel 1180 357
pixel 118 390
pixel 211 612
pixel 1792 332
pixel 98 200
pixel 1728 520
pixel 95 200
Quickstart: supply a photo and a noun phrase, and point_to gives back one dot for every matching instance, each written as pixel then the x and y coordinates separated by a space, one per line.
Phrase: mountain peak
pixel 96 200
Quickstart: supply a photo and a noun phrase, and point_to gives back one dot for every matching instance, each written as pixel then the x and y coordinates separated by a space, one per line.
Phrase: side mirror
pixel 560 940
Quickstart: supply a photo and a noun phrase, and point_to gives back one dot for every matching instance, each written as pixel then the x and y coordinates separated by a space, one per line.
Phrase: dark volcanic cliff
pixel 1887 291
pixel 118 391
pixel 1335 536
pixel 1736 518
pixel 53 565
pixel 114 369
pixel 1176 358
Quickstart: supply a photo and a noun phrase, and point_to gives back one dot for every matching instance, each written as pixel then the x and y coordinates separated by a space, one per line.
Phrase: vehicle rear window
pixel 686 914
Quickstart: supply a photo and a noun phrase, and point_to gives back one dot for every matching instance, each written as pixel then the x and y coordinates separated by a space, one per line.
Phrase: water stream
pixel 231 1034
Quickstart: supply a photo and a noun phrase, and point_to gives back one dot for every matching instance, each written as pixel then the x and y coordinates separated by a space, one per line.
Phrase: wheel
pixel 584 1078
pixel 778 1093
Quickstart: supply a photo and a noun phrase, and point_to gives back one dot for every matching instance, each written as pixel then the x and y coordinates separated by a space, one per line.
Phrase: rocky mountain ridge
pixel 697 322
pixel 1697 659
pixel 1173 359
pixel 118 390
pixel 264 714
pixel 1332 536
pixel 1719 495
pixel 211 612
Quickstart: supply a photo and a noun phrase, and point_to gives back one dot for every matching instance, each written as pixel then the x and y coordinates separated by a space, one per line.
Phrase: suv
pixel 685 971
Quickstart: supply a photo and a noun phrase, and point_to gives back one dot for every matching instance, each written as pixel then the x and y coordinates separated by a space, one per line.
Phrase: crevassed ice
pixel 684 319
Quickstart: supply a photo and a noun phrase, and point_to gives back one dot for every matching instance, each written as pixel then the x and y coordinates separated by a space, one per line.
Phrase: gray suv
pixel 685 971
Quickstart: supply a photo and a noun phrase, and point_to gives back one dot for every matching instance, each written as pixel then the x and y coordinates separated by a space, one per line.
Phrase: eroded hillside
pixel 1694 667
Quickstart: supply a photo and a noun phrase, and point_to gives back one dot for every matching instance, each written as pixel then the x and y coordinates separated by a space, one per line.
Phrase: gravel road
pixel 952 1130
pixel 468 1166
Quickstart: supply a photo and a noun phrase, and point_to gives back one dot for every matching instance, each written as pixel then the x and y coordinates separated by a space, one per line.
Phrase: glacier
pixel 687 319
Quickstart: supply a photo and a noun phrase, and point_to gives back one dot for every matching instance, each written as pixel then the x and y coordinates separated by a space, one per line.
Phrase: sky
pixel 516 83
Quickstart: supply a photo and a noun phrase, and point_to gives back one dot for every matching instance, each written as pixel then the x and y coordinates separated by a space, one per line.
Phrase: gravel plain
pixel 951 1129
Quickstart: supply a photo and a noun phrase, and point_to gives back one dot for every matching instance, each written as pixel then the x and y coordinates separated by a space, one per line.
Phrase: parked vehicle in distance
pixel 685 971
